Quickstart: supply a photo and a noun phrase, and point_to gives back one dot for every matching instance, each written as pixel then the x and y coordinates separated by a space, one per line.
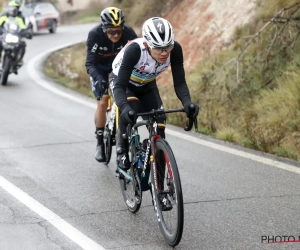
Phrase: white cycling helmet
pixel 158 32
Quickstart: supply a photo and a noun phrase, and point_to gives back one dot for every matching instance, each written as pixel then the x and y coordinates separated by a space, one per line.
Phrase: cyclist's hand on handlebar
pixel 191 109
pixel 100 86
pixel 128 115
pixel 104 84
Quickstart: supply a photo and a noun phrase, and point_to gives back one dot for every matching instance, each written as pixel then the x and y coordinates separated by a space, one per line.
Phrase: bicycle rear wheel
pixel 107 138
pixel 166 190
pixel 132 189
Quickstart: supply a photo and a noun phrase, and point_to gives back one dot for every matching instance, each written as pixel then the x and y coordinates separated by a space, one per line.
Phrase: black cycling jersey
pixel 131 57
pixel 101 50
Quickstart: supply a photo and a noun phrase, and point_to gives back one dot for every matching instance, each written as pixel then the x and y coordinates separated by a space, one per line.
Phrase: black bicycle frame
pixel 153 134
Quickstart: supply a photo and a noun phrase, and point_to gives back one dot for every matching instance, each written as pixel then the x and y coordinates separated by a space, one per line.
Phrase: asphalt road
pixel 54 195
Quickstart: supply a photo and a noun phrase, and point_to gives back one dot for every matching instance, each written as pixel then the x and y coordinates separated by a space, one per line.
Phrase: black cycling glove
pixel 191 109
pixel 100 87
pixel 127 118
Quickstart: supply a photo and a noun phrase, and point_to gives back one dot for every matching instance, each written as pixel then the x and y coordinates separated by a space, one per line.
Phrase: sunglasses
pixel 162 49
pixel 113 32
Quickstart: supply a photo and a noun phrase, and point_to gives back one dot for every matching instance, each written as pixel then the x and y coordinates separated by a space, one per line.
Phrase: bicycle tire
pixel 171 237
pixel 132 201
pixel 107 138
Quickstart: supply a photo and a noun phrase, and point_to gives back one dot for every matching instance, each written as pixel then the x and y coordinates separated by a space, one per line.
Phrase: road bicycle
pixel 154 158
pixel 110 130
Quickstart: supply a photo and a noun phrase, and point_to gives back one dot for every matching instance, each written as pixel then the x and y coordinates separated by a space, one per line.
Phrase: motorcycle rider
pixel 104 42
pixel 13 10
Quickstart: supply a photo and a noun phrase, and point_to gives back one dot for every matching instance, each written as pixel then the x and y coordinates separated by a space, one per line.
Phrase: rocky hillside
pixel 205 26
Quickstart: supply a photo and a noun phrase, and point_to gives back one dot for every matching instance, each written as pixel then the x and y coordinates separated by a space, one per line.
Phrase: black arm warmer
pixel 90 62
pixel 178 74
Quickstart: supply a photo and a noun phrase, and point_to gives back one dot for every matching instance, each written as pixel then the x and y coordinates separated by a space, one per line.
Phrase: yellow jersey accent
pixel 135 79
pixel 132 98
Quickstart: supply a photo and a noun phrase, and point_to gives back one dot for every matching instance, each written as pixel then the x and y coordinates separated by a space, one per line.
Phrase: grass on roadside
pixel 265 119
pixel 67 68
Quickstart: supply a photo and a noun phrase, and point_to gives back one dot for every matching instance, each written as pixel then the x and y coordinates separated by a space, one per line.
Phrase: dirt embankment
pixel 203 27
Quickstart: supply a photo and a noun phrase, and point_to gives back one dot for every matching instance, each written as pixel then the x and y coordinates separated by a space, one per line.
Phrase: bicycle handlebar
pixel 155 112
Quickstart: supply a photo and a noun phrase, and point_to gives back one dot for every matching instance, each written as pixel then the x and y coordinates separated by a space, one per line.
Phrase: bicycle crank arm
pixel 127 176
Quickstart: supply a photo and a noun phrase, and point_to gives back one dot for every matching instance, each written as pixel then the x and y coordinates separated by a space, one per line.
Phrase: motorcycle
pixel 13 48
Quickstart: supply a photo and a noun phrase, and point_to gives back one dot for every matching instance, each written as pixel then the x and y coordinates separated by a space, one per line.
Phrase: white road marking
pixel 38 77
pixel 233 151
pixel 69 231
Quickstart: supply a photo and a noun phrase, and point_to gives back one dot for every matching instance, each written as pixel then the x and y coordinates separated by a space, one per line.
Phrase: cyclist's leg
pixel 100 114
pixel 122 144
pixel 152 100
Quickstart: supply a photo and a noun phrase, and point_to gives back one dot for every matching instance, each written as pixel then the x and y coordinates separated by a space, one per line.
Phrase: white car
pixel 41 16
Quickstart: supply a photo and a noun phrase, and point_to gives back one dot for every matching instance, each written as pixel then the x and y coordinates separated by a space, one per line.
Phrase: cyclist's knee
pixel 103 100
pixel 102 106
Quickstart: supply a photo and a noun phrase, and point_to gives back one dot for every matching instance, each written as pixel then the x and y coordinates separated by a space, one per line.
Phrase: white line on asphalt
pixel 236 152
pixel 69 231
pixel 38 79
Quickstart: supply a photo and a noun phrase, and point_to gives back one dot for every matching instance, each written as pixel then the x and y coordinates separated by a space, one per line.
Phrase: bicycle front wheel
pixel 167 193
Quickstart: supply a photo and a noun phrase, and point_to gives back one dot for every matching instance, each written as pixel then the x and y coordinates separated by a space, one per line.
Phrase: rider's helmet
pixel 13 8
pixel 158 32
pixel 14 3
pixel 112 17
pixel 12 11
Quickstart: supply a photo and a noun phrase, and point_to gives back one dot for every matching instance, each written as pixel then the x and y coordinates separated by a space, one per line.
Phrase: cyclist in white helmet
pixel 133 79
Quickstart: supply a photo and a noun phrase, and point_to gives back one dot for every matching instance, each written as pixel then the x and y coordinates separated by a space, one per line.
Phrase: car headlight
pixel 9 38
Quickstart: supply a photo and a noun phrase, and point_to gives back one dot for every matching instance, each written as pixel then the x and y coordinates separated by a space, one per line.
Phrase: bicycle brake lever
pixel 190 124
pixel 196 124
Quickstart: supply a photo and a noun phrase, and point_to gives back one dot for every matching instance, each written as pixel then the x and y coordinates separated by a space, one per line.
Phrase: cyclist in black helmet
pixel 104 42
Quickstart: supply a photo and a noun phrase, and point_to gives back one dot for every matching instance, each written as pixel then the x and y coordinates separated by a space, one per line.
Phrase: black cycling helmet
pixel 112 17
